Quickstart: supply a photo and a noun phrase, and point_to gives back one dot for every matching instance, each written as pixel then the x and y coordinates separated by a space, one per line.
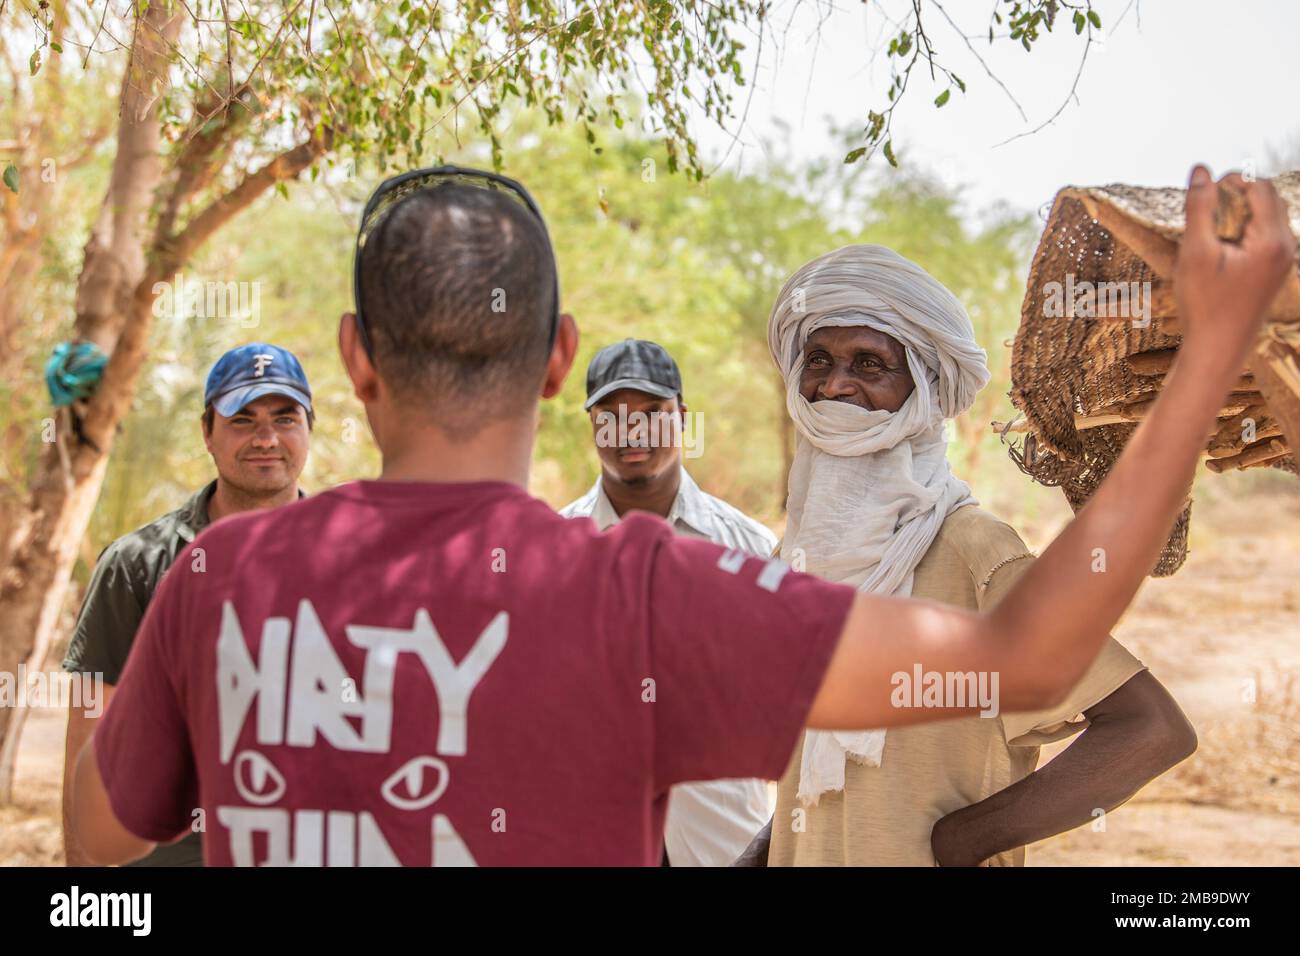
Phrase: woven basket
pixel 1089 358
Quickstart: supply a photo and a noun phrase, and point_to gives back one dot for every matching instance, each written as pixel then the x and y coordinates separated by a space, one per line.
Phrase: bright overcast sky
pixel 1174 81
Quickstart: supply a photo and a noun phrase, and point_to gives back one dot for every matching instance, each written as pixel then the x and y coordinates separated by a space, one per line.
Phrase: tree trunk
pixel 66 484
pixel 115 298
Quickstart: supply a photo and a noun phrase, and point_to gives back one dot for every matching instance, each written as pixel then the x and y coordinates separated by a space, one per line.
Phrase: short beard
pixel 248 498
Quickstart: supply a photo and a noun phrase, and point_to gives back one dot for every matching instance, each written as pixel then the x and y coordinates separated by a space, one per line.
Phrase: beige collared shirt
pixel 884 815
pixel 710 823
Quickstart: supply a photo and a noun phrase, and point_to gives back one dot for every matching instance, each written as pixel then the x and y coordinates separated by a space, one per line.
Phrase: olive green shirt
pixel 125 578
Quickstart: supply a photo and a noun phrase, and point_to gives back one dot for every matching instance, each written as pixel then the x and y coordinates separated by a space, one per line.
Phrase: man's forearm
pixel 1103 768
pixel 80 728
pixel 1223 290
pixel 1041 637
pixel 97 830
pixel 1077 590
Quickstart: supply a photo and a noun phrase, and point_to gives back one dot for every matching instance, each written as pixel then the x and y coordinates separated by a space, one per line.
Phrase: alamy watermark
pixel 922 688
pixel 1098 300
pixel 659 429
pixel 132 911
pixel 192 298
pixel 39 689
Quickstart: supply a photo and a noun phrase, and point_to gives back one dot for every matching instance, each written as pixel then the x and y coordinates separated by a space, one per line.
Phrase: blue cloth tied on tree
pixel 73 371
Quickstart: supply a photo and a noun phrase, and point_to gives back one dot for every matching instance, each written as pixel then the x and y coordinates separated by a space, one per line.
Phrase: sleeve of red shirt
pixel 142 743
pixel 737 650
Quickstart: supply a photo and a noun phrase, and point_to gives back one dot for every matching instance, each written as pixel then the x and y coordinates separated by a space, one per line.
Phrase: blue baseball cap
pixel 247 373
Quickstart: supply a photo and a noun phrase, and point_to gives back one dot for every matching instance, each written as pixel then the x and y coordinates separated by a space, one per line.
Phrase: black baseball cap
pixel 632 363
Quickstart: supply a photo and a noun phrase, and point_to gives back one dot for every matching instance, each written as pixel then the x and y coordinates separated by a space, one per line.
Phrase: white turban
pixel 869 490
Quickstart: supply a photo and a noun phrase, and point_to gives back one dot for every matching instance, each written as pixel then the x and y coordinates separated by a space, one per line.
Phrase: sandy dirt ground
pixel 1223 634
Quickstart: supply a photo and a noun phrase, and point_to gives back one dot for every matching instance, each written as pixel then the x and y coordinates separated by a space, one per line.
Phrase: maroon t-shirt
pixel 453 674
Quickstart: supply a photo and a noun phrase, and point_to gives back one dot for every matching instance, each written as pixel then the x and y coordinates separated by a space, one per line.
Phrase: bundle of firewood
pixel 1099 330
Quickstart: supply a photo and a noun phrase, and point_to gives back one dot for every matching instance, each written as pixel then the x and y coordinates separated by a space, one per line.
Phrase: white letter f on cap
pixel 260 362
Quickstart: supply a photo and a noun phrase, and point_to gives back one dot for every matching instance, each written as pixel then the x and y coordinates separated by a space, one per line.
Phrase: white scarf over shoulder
pixel 869 490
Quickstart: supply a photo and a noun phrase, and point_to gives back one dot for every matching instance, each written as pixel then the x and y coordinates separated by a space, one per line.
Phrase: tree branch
pixel 195 166
pixel 975 53
pixel 109 404
pixel 174 251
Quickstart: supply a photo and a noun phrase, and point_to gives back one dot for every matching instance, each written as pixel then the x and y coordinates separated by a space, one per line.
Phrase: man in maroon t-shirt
pixel 435 668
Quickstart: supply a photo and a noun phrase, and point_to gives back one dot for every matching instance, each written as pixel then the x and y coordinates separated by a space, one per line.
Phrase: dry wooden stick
pixel 1230 219
pixel 1136 411
pixel 1154 249
pixel 1006 427
pixel 1265 462
pixel 1161 306
pixel 1259 453
pixel 1277 369
pixel 1228 448
pixel 1241 405
pixel 1160 361
pixel 1231 214
pixel 1231 431
pixel 1156 362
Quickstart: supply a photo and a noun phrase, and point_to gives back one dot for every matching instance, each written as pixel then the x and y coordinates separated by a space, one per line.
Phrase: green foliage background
pixel 643 252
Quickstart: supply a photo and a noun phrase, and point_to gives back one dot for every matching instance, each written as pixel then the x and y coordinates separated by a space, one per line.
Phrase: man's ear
pixel 562 355
pixel 365 381
pixel 207 432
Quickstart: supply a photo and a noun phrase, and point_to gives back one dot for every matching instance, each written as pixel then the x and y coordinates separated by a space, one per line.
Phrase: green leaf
pixel 56 47
pixel 853 155
pixel 942 98
pixel 1094 18
pixel 1079 22
pixel 11 178
pixel 282 189
pixel 35 62
pixel 889 153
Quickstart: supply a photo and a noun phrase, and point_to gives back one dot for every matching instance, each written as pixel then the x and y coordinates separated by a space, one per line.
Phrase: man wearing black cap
pixel 257 420
pixel 634 397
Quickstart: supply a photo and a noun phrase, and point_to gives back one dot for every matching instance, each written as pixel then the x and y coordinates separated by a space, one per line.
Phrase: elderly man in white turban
pixel 876 354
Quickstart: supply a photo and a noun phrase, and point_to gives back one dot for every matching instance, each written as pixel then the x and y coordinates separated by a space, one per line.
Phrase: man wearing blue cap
pixel 257 421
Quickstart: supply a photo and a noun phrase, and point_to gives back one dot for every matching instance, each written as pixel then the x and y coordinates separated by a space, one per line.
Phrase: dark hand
pixel 948 846
pixel 1224 288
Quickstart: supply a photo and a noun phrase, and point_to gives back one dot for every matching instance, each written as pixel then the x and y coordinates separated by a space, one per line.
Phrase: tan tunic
pixel 885 814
